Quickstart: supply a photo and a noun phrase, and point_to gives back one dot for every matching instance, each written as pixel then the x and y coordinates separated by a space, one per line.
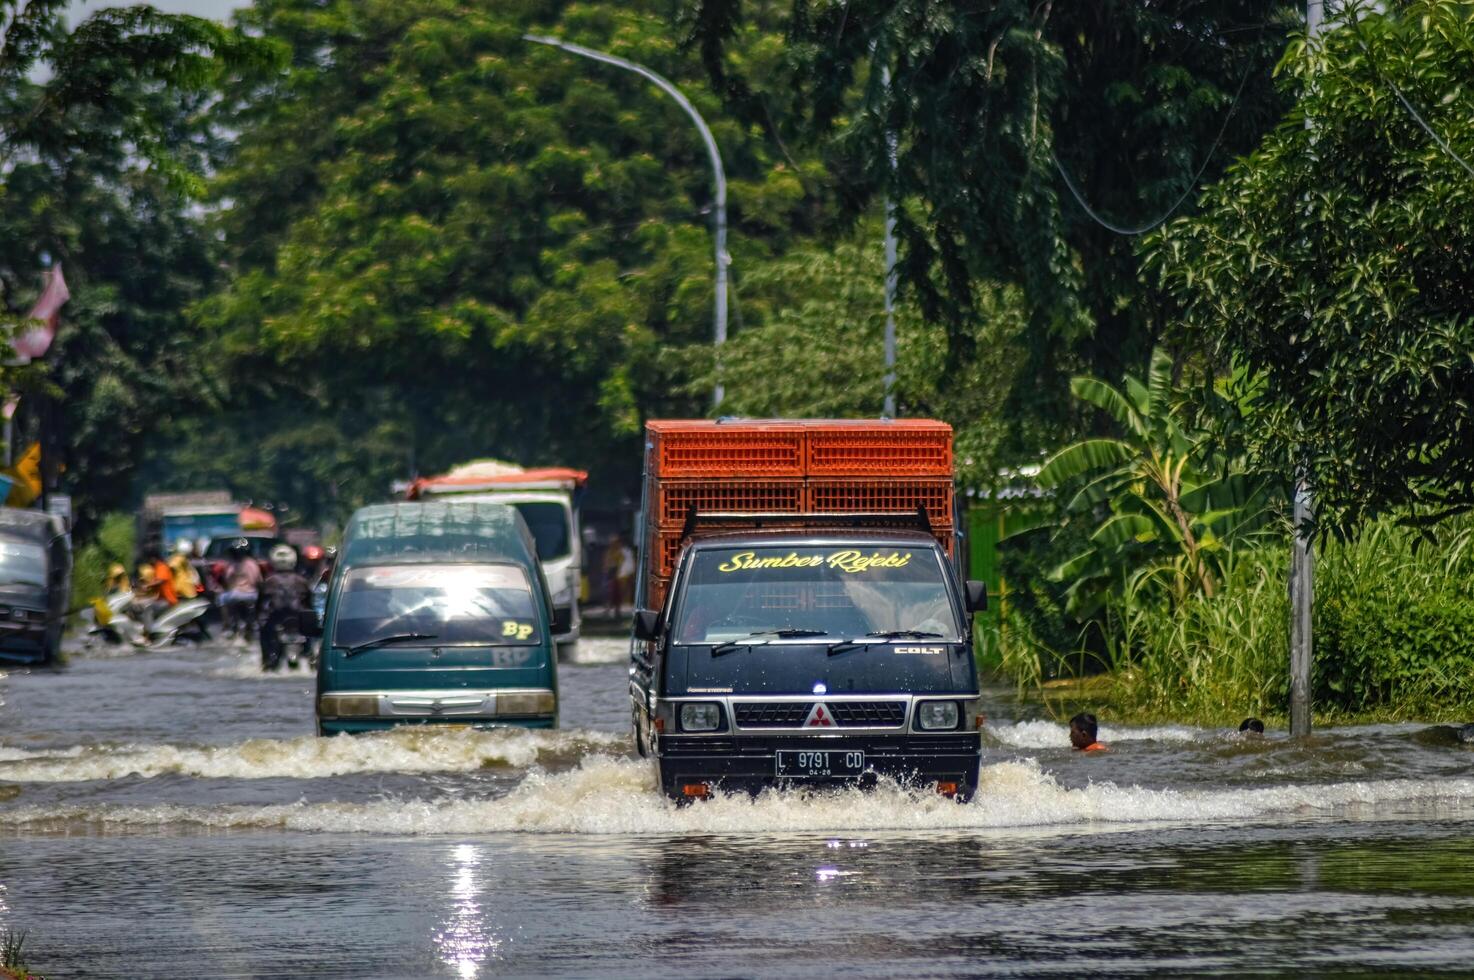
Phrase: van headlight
pixel 699 716
pixel 529 704
pixel 936 716
pixel 348 706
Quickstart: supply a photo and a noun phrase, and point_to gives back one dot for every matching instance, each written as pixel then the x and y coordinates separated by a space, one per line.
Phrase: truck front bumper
pixel 747 763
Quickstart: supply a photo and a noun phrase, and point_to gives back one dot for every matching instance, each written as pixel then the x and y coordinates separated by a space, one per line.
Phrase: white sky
pixel 219 9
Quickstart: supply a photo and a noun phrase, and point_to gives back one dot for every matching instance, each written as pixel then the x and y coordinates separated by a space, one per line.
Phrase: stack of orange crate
pixel 790 467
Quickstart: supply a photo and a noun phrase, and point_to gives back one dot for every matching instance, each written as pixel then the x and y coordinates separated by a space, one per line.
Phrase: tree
pixel 812 345
pixel 986 105
pixel 101 141
pixel 1333 263
pixel 511 244
pixel 1167 503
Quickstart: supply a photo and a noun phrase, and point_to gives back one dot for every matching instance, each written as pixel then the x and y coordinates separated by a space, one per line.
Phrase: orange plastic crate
pixel 841 496
pixel 895 449
pixel 667 549
pixel 701 449
pixel 675 498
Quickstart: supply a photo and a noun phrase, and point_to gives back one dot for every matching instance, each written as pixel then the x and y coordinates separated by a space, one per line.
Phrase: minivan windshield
pixel 446 605
pixel 548 523
pixel 22 563
pixel 833 591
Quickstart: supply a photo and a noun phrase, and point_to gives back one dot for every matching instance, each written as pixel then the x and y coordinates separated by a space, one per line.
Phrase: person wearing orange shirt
pixel 1082 733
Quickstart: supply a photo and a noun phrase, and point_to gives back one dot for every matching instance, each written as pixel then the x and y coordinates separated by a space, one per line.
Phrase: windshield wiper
pixel 871 639
pixel 383 641
pixel 782 633
pixel 905 635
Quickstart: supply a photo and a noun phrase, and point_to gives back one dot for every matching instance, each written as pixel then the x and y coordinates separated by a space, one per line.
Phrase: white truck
pixel 548 500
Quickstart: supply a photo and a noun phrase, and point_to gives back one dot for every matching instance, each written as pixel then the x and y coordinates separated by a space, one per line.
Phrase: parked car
pixel 35 585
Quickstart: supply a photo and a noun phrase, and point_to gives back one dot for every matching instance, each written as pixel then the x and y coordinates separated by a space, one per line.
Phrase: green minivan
pixel 437 613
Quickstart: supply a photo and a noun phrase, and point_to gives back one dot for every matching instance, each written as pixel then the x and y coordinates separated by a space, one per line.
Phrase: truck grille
pixel 772 714
pixel 868 714
pixel 847 714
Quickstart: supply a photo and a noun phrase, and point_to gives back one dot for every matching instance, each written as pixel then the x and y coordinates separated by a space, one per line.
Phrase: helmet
pixel 312 553
pixel 184 547
pixel 283 558
pixel 240 548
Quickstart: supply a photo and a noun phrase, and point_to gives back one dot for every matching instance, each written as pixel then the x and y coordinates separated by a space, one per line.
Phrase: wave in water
pixel 1050 735
pixel 605 795
pixel 408 749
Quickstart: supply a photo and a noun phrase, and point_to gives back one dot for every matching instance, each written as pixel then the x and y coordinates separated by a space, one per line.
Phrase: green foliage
pixel 1394 635
pixel 1333 265
pixel 1134 99
pixel 1166 502
pixel 101 137
pixel 813 345
pixel 1395 622
pixel 1213 659
pixel 502 246
pixel 113 543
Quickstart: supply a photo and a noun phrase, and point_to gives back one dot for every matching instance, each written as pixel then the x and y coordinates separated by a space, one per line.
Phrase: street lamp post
pixel 719 180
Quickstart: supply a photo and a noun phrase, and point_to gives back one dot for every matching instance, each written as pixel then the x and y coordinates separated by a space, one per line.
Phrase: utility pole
pixel 719 180
pixel 1302 558
pixel 889 411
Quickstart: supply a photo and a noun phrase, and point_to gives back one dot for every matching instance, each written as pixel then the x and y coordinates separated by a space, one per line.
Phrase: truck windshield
pixel 22 563
pixel 839 591
pixel 548 523
pixel 450 605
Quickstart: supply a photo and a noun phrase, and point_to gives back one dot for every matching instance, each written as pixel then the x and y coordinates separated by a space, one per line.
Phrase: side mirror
pixel 562 621
pixel 310 625
pixel 647 624
pixel 977 595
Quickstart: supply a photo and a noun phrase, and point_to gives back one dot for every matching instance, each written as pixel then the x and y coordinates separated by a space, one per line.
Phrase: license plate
pixel 820 763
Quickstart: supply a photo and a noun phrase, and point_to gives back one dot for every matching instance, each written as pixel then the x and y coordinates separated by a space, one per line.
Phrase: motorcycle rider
pixel 285 596
pixel 153 593
pixel 186 579
pixel 242 581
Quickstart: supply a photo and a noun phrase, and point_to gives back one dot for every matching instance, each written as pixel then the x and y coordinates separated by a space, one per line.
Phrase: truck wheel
pixel 639 736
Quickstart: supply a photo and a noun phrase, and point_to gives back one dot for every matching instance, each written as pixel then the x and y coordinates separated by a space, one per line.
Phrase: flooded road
pixel 171 814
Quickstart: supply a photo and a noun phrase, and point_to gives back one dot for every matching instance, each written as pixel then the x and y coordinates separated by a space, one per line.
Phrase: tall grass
pixel 12 956
pixel 1210 659
pixel 1394 635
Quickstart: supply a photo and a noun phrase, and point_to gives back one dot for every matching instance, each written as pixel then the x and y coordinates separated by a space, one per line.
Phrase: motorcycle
pixel 184 621
pixel 293 646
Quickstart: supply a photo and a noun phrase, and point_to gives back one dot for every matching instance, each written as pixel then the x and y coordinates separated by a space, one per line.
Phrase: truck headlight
pixel 936 716
pixel 348 706
pixel 700 717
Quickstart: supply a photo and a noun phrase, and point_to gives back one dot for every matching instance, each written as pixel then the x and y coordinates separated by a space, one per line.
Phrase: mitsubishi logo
pixel 819 717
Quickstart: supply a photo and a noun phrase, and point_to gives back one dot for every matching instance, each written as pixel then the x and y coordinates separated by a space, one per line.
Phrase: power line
pixel 1191 187
pixel 1442 143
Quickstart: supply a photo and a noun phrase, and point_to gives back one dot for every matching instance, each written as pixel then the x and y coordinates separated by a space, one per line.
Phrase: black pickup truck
pixel 809 657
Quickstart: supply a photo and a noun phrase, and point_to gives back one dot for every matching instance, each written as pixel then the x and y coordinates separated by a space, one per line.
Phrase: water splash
pixel 607 795
pixel 408 749
pixel 1050 735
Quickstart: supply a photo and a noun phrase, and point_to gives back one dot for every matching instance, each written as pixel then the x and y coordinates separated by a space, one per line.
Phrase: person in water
pixel 1251 726
pixel 1082 733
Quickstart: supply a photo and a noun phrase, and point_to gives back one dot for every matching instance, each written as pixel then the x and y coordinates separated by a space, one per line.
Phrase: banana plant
pixel 1168 503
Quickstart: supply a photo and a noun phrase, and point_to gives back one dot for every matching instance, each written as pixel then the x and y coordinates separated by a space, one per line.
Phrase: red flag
pixel 35 339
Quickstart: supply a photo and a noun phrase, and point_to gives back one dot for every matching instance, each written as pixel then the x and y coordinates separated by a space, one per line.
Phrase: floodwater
pixel 170 814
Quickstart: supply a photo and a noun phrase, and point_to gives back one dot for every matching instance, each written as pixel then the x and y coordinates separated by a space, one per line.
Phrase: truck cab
pixel 785 658
pixel 548 501
pixel 802 620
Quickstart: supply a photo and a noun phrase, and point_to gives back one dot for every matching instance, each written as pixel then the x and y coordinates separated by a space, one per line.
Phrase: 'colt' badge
pixel 819 717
